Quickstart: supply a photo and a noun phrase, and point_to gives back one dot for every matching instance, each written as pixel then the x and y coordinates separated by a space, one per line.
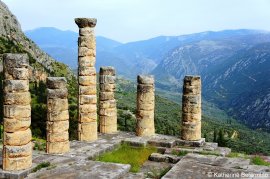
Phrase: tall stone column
pixel 107 103
pixel 87 108
pixel 57 116
pixel 145 106
pixel 191 108
pixel 17 145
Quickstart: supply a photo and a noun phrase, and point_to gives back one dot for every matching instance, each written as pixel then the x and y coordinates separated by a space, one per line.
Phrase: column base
pixel 188 143
pixel 16 174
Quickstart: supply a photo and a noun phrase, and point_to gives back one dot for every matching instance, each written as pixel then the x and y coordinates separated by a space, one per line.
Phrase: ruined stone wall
pixel 57 116
pixel 191 108
pixel 87 109
pixel 145 106
pixel 107 103
pixel 17 145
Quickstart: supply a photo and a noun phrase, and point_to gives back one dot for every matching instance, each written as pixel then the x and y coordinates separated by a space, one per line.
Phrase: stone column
pixel 87 109
pixel 17 145
pixel 191 109
pixel 57 116
pixel 107 103
pixel 145 106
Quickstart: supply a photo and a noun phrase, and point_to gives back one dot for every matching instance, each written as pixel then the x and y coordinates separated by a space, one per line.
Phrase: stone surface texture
pixel 57 116
pixel 145 106
pixel 191 109
pixel 87 105
pixel 17 146
pixel 107 102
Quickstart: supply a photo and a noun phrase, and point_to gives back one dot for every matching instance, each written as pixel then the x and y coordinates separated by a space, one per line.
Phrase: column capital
pixel 86 22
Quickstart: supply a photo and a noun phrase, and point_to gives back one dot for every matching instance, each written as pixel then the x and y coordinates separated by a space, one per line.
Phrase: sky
pixel 133 20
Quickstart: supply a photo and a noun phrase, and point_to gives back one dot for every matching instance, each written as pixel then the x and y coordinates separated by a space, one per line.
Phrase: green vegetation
pixel 257 160
pixel 40 166
pixel 126 154
pixel 180 152
pixel 40 144
pixel 157 173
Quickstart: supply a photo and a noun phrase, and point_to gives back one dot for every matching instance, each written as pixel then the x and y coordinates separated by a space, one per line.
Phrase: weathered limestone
pixel 57 116
pixel 17 149
pixel 107 103
pixel 191 109
pixel 87 109
pixel 145 106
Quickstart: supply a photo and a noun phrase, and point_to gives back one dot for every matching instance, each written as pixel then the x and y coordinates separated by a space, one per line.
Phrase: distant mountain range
pixel 234 64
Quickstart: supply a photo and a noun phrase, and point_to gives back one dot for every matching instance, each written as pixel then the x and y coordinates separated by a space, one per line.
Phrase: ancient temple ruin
pixel 17 145
pixel 191 109
pixel 57 116
pixel 145 106
pixel 87 105
pixel 107 102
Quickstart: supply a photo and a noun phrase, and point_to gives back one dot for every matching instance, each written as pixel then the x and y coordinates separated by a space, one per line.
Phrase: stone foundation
pixel 145 106
pixel 107 103
pixel 191 109
pixel 17 145
pixel 87 109
pixel 57 116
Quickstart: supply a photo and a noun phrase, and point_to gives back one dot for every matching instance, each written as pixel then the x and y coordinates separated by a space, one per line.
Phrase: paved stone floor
pixel 79 162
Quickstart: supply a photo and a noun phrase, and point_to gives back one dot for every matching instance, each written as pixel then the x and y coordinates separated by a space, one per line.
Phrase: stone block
pixel 17 151
pixel 143 131
pixel 84 51
pixel 17 111
pixel 192 90
pixel 87 80
pixel 22 98
pixel 107 71
pixel 191 131
pixel 57 105
pixel 192 99
pixel 18 163
pixel 16 74
pixel 86 22
pixel 191 108
pixel 108 120
pixel 86 31
pixel 196 143
pixel 106 96
pixel 60 116
pixel 87 71
pixel 145 97
pixel 57 136
pixel 57 126
pixel 12 60
pixel 108 112
pixel 87 90
pixel 87 99
pixel 88 117
pixel 191 117
pixel 108 129
pixel 145 79
pixel 145 88
pixel 57 93
pixel 17 138
pixel 107 87
pixel 57 147
pixel 87 61
pixel 13 125
pixel 87 131
pixel 107 104
pixel 143 114
pixel 11 86
pixel 144 105
pixel 87 108
pixel 87 41
pixel 56 82
pixel 104 79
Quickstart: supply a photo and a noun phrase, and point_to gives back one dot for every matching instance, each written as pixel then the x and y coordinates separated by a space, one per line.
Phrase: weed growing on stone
pixel 126 154
pixel 257 160
pixel 41 165
pixel 180 153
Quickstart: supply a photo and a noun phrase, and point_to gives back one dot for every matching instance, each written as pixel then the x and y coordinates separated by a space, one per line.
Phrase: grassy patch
pixel 209 153
pixel 180 152
pixel 126 154
pixel 40 144
pixel 257 160
pixel 41 165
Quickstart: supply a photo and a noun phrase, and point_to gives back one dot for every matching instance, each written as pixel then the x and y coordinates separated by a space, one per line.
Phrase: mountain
pixel 14 40
pixel 234 74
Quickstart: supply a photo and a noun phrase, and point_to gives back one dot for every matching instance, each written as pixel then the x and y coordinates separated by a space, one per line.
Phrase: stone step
pixel 133 176
pixel 157 157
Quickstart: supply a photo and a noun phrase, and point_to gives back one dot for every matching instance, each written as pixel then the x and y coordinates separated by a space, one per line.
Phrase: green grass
pixel 257 160
pixel 126 154
pixel 180 153
pixel 41 165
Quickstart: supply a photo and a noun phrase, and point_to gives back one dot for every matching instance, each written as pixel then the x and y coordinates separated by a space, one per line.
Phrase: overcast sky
pixel 131 20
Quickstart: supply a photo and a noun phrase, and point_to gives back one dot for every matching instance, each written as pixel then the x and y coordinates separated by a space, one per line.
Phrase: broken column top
pixel 145 79
pixel 18 60
pixel 56 82
pixel 190 78
pixel 86 22
pixel 107 71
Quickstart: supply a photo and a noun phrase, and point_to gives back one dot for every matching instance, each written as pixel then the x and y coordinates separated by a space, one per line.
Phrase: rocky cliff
pixel 13 40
